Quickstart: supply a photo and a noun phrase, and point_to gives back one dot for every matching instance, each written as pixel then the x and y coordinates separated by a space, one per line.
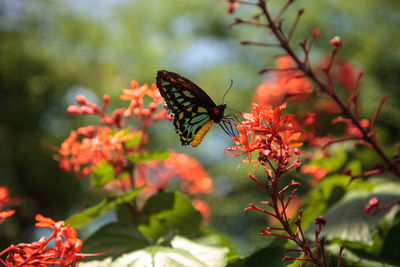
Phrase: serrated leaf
pixel 148 156
pixel 102 174
pixel 183 253
pixel 169 212
pixel 117 238
pixel 92 213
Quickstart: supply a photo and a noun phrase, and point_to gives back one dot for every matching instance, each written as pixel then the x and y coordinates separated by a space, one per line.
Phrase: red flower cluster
pixel 66 251
pixel 5 200
pixel 90 145
pixel 267 131
pixel 136 107
pixel 97 144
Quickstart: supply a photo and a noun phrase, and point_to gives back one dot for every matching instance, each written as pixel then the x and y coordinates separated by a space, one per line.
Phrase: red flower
pixel 267 131
pixel 97 144
pixel 66 252
pixel 373 203
pixel 136 107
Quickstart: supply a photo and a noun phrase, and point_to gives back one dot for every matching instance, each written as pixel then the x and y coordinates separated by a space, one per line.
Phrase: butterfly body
pixel 193 110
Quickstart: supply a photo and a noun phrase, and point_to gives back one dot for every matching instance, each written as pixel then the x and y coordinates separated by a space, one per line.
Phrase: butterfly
pixel 193 111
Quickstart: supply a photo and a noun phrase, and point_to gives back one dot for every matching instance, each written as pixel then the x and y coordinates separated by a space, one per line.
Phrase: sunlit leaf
pixel 134 142
pixel 102 174
pixel 182 253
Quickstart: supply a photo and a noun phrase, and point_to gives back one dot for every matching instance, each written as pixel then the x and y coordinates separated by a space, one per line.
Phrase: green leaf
pixel 148 156
pixel 169 212
pixel 213 238
pixel 328 193
pixel 390 247
pixel 102 174
pixel 116 238
pixel 355 166
pixel 347 221
pixel 183 253
pixel 351 258
pixel 134 142
pixel 88 215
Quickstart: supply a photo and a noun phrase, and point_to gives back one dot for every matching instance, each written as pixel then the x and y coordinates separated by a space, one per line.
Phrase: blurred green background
pixel 50 51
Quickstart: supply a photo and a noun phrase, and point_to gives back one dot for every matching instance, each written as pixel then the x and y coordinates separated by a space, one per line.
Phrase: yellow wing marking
pixel 181 134
pixel 198 137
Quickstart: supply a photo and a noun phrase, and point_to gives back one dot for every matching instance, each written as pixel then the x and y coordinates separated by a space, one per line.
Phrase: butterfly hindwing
pixel 193 110
pixel 187 123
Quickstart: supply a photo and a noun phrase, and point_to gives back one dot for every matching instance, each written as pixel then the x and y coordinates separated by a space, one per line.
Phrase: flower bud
pixel 335 41
pixel 106 99
pixel 74 110
pixel 152 107
pixel 316 32
pixel 81 100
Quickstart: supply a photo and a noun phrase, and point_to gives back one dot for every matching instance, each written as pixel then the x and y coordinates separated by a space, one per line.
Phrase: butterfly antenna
pixel 223 98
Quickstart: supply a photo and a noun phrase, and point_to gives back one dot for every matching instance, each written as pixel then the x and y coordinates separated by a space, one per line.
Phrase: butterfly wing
pixel 190 106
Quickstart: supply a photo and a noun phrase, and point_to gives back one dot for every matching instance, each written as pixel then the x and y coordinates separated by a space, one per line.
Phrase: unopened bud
pixel 81 100
pixel 106 99
pixel 74 110
pixel 335 41
pixel 316 32
pixel 152 106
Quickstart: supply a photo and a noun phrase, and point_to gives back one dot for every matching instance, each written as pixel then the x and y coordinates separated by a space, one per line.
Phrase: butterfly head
pixel 218 112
